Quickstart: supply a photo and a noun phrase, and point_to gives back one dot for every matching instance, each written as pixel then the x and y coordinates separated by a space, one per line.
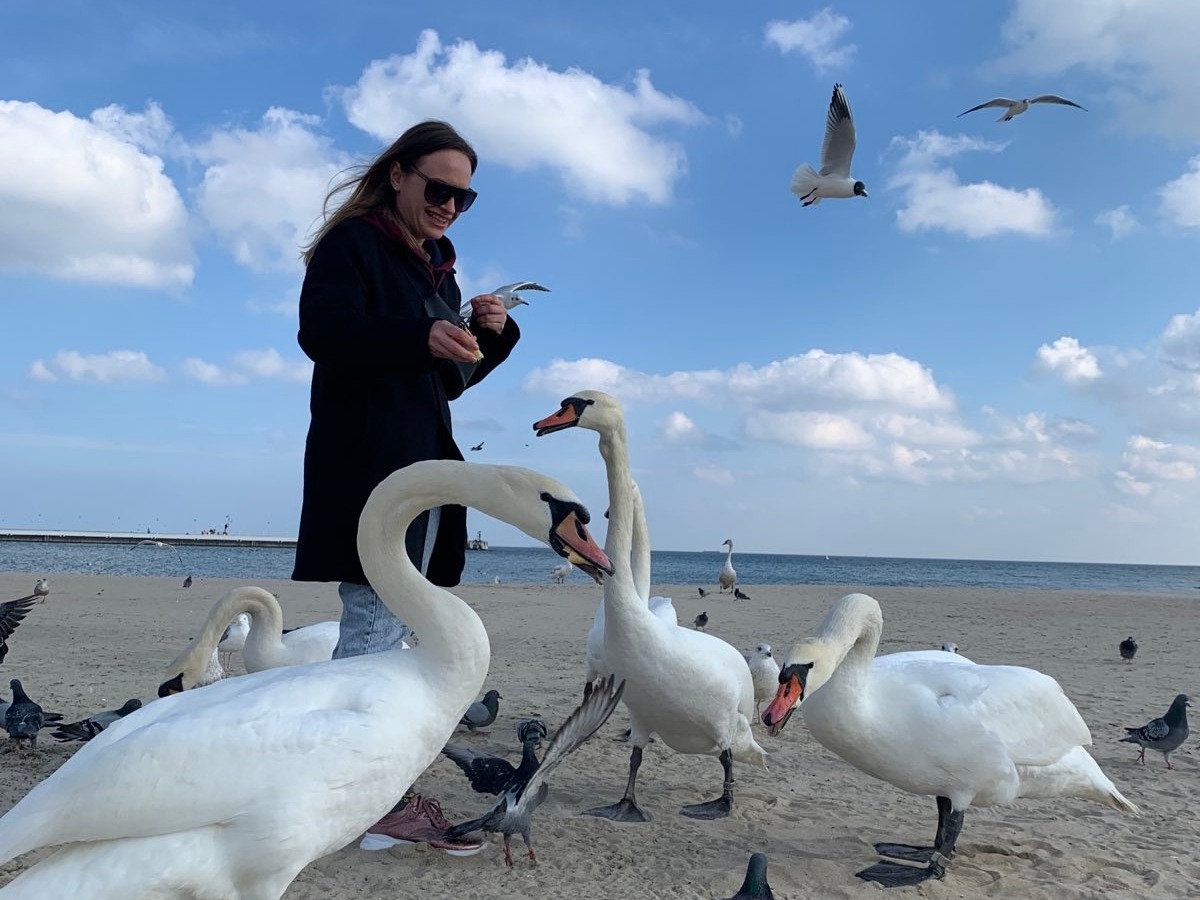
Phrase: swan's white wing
pixel 154 771
pixel 1054 98
pixel 311 643
pixel 664 609
pixel 840 138
pixel 1026 710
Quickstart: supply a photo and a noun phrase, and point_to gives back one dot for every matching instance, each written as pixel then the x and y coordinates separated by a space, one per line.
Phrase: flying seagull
pixel 509 294
pixel 482 713
pixel 1016 107
pixel 513 812
pixel 834 181
pixel 86 729
pixel 1128 649
pixel 161 545
pixel 478 446
pixel 1165 734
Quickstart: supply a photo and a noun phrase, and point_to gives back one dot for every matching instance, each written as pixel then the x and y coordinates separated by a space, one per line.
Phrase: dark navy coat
pixel 379 400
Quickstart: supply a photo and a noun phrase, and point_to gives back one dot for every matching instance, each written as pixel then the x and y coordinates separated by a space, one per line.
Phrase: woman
pixel 379 318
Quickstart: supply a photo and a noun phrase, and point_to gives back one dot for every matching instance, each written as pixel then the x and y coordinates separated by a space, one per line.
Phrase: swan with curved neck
pixel 936 724
pixel 332 743
pixel 691 689
pixel 266 645
pixel 728 576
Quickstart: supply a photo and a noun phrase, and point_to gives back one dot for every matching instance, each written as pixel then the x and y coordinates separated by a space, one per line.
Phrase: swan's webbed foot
pixel 889 874
pixel 624 810
pixel 905 851
pixel 713 809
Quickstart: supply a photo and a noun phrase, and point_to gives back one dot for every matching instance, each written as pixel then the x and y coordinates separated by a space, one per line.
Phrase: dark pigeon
pixel 187 582
pixel 86 729
pixel 703 593
pixel 1128 648
pixel 1165 734
pixel 738 595
pixel 493 774
pixel 23 719
pixel 482 713
pixel 11 614
pixel 513 812
pixel 755 886
pixel 701 621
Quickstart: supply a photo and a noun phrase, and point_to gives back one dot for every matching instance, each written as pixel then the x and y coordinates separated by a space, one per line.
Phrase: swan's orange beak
pixel 566 417
pixel 787 698
pixel 575 543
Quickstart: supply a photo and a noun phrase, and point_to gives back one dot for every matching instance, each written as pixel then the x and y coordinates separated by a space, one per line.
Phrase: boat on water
pixel 477 542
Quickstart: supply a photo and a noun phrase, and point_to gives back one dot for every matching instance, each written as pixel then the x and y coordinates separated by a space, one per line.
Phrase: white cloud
pixel 246 366
pixel 1180 341
pixel 934 198
pixel 1147 464
pixel 678 428
pixel 813 378
pixel 526 115
pixel 116 366
pixel 263 188
pixel 1179 200
pixel 812 430
pixel 713 475
pixel 1143 50
pixel 1120 222
pixel 78 203
pixel 1069 360
pixel 818 37
pixel 151 130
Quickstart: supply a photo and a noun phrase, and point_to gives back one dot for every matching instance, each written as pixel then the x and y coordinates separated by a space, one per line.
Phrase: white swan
pixel 230 791
pixel 728 576
pixel 691 689
pixel 934 723
pixel 266 645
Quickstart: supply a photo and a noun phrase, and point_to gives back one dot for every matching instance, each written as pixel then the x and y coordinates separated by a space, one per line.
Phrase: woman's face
pixel 424 220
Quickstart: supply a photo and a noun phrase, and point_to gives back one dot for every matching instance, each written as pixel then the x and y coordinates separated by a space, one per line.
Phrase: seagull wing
pixel 520 286
pixel 579 726
pixel 1054 98
pixel 997 102
pixel 487 774
pixel 840 137
pixel 11 614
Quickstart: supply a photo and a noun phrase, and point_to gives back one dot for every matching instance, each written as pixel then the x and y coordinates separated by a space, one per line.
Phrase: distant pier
pixel 133 537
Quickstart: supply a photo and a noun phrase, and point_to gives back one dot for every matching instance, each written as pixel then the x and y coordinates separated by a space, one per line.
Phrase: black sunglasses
pixel 438 192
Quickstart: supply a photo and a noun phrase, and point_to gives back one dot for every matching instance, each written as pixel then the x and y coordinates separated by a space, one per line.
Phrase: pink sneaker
pixel 420 822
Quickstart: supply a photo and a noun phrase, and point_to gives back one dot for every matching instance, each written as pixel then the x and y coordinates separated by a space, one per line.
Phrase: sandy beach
pixel 101 640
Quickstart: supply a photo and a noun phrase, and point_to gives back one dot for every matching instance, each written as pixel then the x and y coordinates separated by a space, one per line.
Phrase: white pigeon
pixel 509 294
pixel 1016 107
pixel 834 181
pixel 764 672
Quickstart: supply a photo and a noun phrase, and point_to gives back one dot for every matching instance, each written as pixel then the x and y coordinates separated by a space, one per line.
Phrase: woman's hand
pixel 488 312
pixel 448 341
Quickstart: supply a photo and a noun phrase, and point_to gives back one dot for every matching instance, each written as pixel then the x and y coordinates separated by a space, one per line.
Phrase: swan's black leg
pixel 626 809
pixel 723 805
pixel 918 854
pixel 890 874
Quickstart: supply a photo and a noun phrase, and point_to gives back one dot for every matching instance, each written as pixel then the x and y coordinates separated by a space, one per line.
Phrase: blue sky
pixel 996 355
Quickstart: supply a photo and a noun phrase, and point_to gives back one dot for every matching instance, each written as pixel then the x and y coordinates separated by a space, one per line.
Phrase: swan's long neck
pixel 449 629
pixel 266 626
pixel 640 552
pixel 614 448
pixel 729 555
pixel 852 630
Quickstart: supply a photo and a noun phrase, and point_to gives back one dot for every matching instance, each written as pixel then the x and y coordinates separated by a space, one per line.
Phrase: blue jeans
pixel 367 625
